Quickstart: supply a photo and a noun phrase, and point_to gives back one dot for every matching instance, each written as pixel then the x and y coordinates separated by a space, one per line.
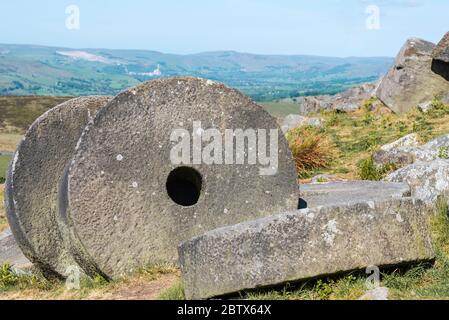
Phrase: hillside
pixel 39 70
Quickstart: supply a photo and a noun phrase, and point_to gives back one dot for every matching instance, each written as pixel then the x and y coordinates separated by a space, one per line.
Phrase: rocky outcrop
pixel 427 180
pixel 411 81
pixel 440 55
pixel 426 167
pixel 347 101
pixel 410 140
pixel 305 244
pixel 295 120
pixel 406 151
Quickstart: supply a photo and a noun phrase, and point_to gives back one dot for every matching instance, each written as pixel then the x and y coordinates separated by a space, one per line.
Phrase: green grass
pixel 369 171
pixel 4 163
pixel 176 292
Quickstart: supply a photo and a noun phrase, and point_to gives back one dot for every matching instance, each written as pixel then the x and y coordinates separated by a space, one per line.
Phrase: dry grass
pixel 147 284
pixel 9 141
pixel 311 149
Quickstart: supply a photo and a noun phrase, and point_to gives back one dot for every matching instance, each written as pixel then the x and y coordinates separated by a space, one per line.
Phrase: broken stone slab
pixel 402 154
pixel 410 140
pixel 410 81
pixel 295 120
pixel 32 182
pixel 124 201
pixel 343 193
pixel 305 244
pixel 427 180
pixel 10 252
pixel 440 63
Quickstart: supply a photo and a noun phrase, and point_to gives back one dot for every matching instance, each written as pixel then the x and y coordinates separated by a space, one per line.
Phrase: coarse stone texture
pixel 294 121
pixel 347 101
pixel 10 252
pixel 425 106
pixel 344 193
pixel 410 140
pixel 33 177
pixel 403 153
pixel 427 180
pixel 305 244
pixel 115 200
pixel 410 81
pixel 440 63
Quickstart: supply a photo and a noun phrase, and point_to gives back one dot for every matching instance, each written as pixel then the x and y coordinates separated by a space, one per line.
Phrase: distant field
pixel 9 141
pixel 4 162
pixel 281 108
pixel 18 113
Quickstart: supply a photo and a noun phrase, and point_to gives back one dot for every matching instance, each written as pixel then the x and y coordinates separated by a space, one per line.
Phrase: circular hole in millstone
pixel 184 186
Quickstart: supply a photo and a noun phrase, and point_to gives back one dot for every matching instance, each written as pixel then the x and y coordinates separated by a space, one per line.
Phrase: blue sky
pixel 317 27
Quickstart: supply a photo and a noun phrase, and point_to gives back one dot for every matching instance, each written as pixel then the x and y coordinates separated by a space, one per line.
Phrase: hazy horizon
pixel 328 28
pixel 187 54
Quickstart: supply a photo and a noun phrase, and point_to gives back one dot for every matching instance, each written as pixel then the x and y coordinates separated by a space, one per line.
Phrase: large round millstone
pixel 32 182
pixel 128 205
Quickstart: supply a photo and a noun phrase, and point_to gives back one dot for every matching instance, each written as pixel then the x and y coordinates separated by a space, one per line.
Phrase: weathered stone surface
pixel 425 106
pixel 348 101
pixel 10 252
pixel 398 152
pixel 410 140
pixel 403 152
pixel 411 81
pixel 305 244
pixel 440 63
pixel 115 199
pixel 399 157
pixel 32 182
pixel 427 180
pixel 294 120
pixel 343 193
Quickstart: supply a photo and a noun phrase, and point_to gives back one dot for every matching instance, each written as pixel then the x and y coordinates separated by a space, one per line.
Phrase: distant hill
pixel 39 70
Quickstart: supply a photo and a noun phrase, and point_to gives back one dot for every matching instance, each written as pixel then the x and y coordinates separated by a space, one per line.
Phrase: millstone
pixel 124 201
pixel 32 183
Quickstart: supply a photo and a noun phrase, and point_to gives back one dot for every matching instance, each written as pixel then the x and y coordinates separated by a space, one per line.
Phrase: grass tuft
pixel 311 149
pixel 175 292
pixel 367 169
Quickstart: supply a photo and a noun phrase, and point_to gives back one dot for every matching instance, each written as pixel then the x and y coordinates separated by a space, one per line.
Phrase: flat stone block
pixel 305 244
